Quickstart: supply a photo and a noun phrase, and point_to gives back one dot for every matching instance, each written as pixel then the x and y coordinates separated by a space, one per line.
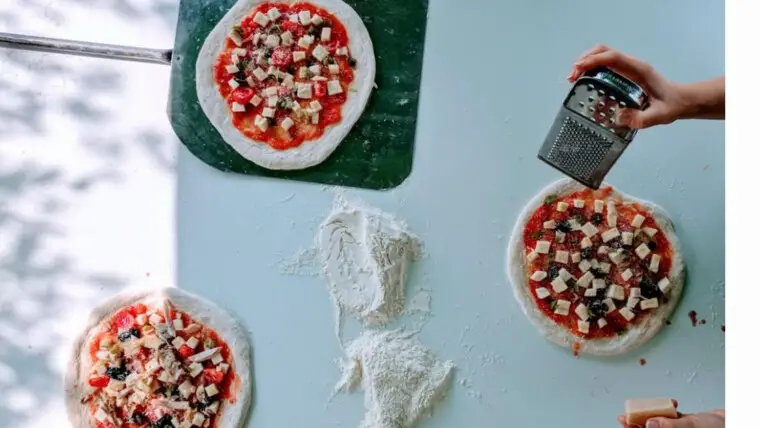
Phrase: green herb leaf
pixel 550 199
pixel 537 234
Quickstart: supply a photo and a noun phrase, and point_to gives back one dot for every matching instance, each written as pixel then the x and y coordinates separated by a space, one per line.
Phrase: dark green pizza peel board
pixel 376 154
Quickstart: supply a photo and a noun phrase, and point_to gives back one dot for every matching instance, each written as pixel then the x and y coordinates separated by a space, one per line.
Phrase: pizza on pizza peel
pixel 159 359
pixel 283 82
pixel 595 270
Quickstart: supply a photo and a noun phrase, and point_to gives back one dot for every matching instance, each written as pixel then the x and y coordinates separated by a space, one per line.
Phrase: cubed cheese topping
pixel 601 322
pixel 234 85
pixel 635 292
pixel 538 275
pixel 542 293
pixel 627 314
pixel 610 234
pixel 304 73
pixel 603 249
pixel 333 87
pixel 574 225
pixel 610 304
pixel 273 14
pixel 559 236
pixel 232 69
pixel 305 42
pixel 195 369
pixel 585 280
pixel 256 100
pixel 260 74
pixel 637 221
pixel 611 207
pixel 564 274
pixel 178 324
pixel 341 51
pixel 141 319
pixel 155 319
pixel 605 267
pixel 586 242
pixel 304 17
pixel 272 101
pixel 598 283
pixel 616 292
pixel 598 206
pixel 562 307
pixel 626 275
pixel 589 229
pixel 186 388
pixel 664 285
pixel 315 118
pixel 239 52
pixel 235 60
pixel 616 257
pixel 562 206
pixel 582 311
pixel 223 367
pixel 198 419
pixel 101 415
pixel 558 285
pixel 192 342
pixel 315 69
pixel 315 105
pixel 579 203
pixel 287 123
pixel 627 238
pixel 303 90
pixel 595 263
pixel 268 112
pixel 178 342
pixel 584 265
pixel 542 247
pixel 562 256
pixel 650 231
pixel 612 220
pixel 632 301
pixel 326 32
pixel 261 19
pixel 576 257
pixel 261 123
pixel 211 390
pixel 293 18
pixel 649 303
pixel 532 256
pixel 238 108
pixel 320 53
pixel 236 38
pixel 299 56
pixel 654 264
pixel 286 38
pixel 272 41
pixel 333 68
pixel 642 251
pixel 590 292
pixel 550 224
pixel 583 326
pixel 217 358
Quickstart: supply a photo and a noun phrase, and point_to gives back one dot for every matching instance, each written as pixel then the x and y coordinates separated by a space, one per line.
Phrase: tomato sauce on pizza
pixel 285 73
pixel 147 372
pixel 596 265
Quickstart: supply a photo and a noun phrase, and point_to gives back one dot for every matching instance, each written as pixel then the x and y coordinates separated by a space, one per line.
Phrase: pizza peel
pixel 378 151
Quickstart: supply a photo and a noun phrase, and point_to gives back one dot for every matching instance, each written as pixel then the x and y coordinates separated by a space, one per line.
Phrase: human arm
pixel 668 101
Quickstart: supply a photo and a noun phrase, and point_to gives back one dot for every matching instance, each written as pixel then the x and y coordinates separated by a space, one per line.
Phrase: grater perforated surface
pixel 578 148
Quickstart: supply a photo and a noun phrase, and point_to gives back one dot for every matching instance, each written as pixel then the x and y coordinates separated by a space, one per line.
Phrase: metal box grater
pixel 585 140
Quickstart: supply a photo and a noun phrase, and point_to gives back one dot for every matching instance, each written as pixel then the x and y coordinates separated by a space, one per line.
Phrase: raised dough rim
pixel 311 152
pixel 212 316
pixel 635 336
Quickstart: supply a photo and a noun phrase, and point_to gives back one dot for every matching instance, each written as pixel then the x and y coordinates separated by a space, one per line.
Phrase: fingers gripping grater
pixel 585 140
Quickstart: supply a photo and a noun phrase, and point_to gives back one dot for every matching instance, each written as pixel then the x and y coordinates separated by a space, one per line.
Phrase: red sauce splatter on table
pixel 723 328
pixel 642 362
pixel 576 349
pixel 693 318
pixel 702 322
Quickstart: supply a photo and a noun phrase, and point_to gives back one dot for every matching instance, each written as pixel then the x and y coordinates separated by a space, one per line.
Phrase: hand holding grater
pixel 585 140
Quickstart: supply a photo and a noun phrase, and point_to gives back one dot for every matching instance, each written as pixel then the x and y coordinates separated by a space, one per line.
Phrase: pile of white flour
pixel 401 379
pixel 365 255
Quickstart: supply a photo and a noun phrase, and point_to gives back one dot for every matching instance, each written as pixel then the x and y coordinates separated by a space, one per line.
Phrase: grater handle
pixel 96 50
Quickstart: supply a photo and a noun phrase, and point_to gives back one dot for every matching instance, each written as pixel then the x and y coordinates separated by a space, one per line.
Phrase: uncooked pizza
pixel 284 82
pixel 159 359
pixel 595 270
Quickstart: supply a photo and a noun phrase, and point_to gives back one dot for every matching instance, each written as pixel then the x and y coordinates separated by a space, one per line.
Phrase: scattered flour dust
pixel 402 381
pixel 365 256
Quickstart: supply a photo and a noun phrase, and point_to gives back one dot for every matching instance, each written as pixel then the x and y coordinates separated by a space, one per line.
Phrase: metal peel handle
pixel 96 50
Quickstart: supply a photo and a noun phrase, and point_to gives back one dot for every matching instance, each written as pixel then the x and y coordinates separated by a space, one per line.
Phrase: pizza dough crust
pixel 311 152
pixel 231 415
pixel 637 334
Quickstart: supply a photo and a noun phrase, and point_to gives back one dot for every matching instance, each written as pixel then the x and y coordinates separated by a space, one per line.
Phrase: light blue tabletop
pixel 494 77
